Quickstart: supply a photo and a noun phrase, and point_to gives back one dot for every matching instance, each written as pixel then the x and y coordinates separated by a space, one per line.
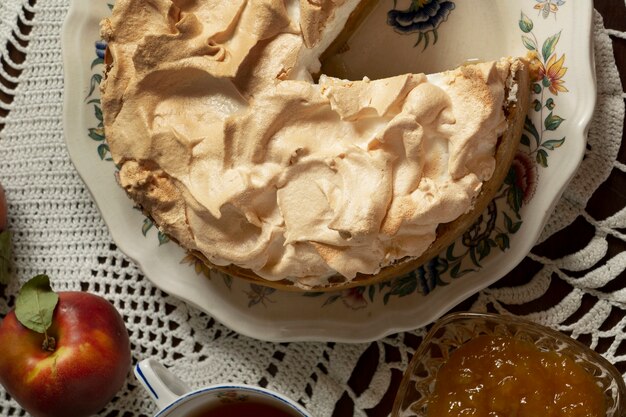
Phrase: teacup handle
pixel 162 385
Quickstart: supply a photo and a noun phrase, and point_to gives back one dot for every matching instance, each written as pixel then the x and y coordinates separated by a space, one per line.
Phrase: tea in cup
pixel 175 399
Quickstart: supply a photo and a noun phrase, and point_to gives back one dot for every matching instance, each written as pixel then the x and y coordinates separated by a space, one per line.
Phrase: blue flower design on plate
pixel 422 16
pixel 101 47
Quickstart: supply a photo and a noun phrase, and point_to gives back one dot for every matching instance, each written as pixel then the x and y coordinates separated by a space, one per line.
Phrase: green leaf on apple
pixel 5 257
pixel 35 304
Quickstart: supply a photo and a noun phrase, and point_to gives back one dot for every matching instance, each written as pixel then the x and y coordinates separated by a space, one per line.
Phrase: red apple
pixel 81 373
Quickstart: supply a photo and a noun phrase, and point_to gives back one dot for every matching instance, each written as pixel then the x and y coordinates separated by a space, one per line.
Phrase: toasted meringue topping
pixel 222 137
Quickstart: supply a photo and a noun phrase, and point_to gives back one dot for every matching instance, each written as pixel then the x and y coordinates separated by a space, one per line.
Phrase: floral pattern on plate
pixel 548 74
pixel 546 7
pixel 422 16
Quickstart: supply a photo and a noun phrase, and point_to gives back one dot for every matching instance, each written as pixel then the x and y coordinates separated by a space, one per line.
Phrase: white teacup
pixel 175 399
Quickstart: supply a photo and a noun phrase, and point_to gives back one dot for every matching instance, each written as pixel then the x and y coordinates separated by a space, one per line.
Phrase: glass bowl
pixel 452 331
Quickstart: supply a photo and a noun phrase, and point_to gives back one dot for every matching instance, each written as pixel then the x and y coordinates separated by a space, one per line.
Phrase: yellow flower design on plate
pixel 551 75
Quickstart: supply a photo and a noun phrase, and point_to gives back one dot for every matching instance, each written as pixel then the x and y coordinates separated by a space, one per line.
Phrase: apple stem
pixel 49 343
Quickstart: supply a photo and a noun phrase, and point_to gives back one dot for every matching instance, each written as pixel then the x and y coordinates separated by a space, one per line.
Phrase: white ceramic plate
pixel 386 43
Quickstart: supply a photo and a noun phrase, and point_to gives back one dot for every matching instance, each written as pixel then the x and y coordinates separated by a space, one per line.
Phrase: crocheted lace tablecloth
pixel 58 230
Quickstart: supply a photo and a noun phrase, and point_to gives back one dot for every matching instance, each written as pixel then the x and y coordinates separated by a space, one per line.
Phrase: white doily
pixel 58 230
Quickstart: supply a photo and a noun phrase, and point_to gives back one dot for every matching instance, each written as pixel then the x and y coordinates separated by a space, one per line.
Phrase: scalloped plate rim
pixel 245 320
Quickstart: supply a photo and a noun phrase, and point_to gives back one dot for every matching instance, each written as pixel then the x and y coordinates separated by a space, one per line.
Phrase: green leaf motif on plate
pixel 549 45
pixel 259 294
pixel 503 241
pixel 402 287
pixel 514 198
pixel 511 226
pixel 331 300
pixel 147 225
pixel 103 151
pixel 96 133
pixel 96 62
pixel 530 128
pixel 96 79
pixel 456 272
pixel 542 158
pixel 525 140
pixel 529 43
pixel 163 238
pixel 553 144
pixel 552 121
pixel 525 24
pixel 98 113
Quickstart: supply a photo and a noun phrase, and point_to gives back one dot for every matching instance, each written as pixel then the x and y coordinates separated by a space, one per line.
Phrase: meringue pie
pixel 227 138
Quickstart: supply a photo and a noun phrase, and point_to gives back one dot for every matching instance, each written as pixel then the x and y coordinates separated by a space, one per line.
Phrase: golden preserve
pixel 500 376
